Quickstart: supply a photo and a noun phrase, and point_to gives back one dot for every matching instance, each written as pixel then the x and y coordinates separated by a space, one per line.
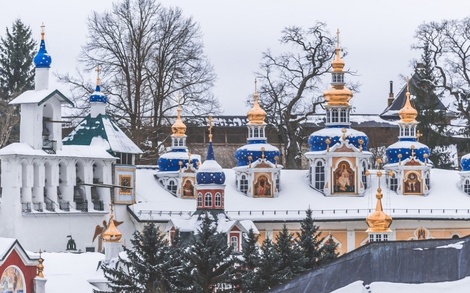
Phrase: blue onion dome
pixel 465 163
pixel 42 58
pixel 210 172
pixel 403 149
pixel 254 151
pixel 327 137
pixel 175 160
pixel 97 96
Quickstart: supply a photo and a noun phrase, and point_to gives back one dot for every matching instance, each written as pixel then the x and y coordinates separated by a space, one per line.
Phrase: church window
pixel 234 243
pixel 199 200
pixel 393 185
pixel 319 175
pixel 218 199
pixel 172 187
pixel 328 116
pixel 208 200
pixel 343 116
pixel 466 186
pixel 364 176
pixel 243 184
pixel 256 132
pixel 335 116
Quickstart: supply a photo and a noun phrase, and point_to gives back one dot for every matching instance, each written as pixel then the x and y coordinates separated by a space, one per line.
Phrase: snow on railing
pixel 324 213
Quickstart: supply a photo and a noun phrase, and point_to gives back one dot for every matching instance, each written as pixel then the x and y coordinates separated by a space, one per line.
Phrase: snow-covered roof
pixel 77 151
pixel 445 200
pixel 39 97
pixel 112 137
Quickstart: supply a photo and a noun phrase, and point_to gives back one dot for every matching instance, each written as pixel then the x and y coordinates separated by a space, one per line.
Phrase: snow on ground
pixel 459 286
pixel 71 271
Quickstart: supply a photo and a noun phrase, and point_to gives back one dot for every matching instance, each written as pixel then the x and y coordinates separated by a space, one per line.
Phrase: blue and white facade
pixel 408 165
pixel 338 157
pixel 258 173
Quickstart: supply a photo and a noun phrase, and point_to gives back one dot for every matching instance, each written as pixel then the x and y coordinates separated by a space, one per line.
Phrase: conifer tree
pixel 432 120
pixel 290 257
pixel 250 262
pixel 309 241
pixel 267 275
pixel 329 252
pixel 16 76
pixel 207 261
pixel 146 268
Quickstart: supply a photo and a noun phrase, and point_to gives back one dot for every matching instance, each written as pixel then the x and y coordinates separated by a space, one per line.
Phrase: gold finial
pixel 399 158
pixel 262 152
pixel 40 266
pixel 276 159
pixel 180 163
pixel 361 142
pixel 426 157
pixel 418 135
pixel 98 70
pixel 408 114
pixel 379 174
pixel 367 172
pixel 112 234
pixel 391 174
pixel 43 31
pixel 379 221
pixel 178 128
pixel 328 141
pixel 256 115
pixel 249 161
pixel 412 150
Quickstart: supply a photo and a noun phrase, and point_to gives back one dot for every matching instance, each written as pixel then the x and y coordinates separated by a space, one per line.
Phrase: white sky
pixel 377 35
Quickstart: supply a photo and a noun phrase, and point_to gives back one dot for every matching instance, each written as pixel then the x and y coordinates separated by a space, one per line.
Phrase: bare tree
pixel 149 55
pixel 291 84
pixel 448 45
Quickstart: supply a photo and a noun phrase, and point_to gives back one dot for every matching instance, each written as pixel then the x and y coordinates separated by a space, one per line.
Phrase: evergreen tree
pixel 16 76
pixel 329 252
pixel 250 262
pixel 432 120
pixel 290 257
pixel 267 275
pixel 309 240
pixel 208 260
pixel 147 266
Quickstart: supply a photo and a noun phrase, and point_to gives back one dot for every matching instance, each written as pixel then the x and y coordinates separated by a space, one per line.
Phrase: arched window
pixel 256 132
pixel 364 176
pixel 218 199
pixel 243 184
pixel 335 116
pixel 199 199
pixel 342 116
pixel 172 187
pixel 208 200
pixel 466 186
pixel 319 175
pixel 234 243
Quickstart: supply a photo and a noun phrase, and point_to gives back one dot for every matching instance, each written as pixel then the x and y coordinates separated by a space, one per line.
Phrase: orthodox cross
pixel 418 134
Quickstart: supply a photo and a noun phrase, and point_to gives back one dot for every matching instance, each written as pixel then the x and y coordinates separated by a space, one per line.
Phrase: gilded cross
pixel 210 128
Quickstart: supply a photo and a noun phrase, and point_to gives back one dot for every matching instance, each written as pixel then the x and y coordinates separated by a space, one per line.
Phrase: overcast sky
pixel 377 35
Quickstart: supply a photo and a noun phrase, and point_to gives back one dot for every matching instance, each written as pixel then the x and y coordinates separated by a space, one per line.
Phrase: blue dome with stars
pixel 465 163
pixel 317 140
pixel 97 96
pixel 171 160
pixel 255 149
pixel 42 58
pixel 405 149
pixel 210 172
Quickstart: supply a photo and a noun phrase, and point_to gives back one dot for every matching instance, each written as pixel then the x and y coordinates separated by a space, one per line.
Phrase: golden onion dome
pixel 178 128
pixel 256 115
pixel 408 114
pixel 112 234
pixel 379 221
pixel 338 94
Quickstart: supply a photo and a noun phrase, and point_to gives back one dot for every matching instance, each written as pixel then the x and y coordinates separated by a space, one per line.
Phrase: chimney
pixel 390 95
